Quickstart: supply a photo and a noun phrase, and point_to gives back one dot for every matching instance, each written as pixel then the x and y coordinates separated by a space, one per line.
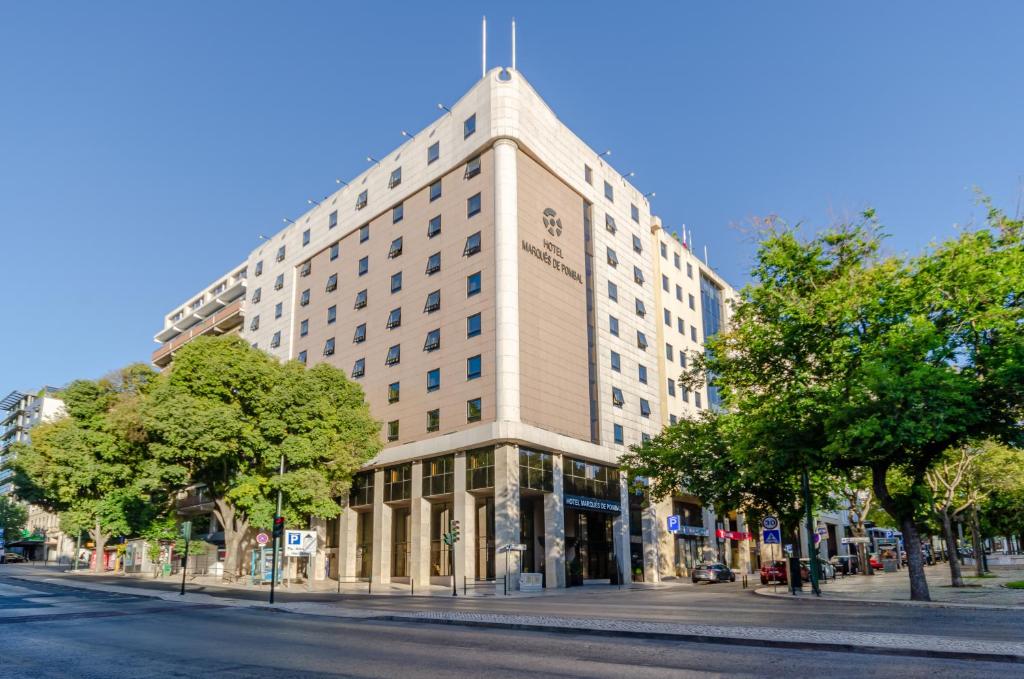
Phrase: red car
pixel 773 571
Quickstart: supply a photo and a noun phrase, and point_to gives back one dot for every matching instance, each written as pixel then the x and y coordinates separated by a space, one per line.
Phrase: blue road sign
pixel 673 523
pixel 772 537
pixel 294 538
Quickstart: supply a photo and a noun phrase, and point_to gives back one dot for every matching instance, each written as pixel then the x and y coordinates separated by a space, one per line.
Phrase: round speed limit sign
pixel 262 539
pixel 769 523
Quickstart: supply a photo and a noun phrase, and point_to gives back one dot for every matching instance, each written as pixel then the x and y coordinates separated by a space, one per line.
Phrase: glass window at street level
pixel 536 470
pixel 438 472
pixel 480 469
pixel 361 493
pixel 397 479
pixel 591 480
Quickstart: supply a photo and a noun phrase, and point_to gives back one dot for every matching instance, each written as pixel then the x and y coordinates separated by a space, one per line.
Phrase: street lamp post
pixel 277 533
pixel 811 547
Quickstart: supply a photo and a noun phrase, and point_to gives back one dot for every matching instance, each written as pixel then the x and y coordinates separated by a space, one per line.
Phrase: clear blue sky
pixel 143 146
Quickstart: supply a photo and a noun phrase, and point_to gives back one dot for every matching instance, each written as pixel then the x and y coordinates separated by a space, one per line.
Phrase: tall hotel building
pixel 517 318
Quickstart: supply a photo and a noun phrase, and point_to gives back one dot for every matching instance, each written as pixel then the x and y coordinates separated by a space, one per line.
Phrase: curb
pixel 889 602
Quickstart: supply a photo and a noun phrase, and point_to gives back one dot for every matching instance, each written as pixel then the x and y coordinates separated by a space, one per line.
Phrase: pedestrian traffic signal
pixel 278 526
pixel 455 531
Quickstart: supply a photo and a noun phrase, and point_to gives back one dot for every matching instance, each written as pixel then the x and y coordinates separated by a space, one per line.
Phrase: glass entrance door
pixel 596 546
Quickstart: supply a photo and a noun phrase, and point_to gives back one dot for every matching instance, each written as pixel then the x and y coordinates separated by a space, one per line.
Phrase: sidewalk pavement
pixel 894 588
pixel 919 645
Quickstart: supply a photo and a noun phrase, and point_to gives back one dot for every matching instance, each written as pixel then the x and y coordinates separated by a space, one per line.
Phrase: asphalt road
pixel 720 604
pixel 232 643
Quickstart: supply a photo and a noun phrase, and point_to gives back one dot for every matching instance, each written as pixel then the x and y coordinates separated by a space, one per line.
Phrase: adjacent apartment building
pixel 42 538
pixel 517 318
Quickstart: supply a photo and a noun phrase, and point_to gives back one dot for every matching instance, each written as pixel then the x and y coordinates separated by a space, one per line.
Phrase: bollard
pixel 369 585
pixel 412 587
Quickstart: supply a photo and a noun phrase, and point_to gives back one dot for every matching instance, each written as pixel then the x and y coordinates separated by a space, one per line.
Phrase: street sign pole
pixel 811 547
pixel 277 538
pixel 186 530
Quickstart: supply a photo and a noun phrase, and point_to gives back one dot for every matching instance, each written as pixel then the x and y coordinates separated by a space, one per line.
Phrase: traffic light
pixel 278 526
pixel 455 531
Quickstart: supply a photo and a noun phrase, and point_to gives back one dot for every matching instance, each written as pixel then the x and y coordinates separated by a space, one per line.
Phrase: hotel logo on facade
pixel 551 253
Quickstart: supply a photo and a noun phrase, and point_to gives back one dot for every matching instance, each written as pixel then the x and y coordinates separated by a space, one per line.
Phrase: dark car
pixel 713 572
pixel 847 564
pixel 14 557
pixel 773 571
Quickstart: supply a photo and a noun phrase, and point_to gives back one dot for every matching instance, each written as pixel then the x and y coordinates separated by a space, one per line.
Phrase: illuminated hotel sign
pixel 592 504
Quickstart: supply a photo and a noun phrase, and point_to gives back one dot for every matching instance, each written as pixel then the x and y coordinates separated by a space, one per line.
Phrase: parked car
pixel 773 571
pixel 14 557
pixel 713 572
pixel 825 569
pixel 846 564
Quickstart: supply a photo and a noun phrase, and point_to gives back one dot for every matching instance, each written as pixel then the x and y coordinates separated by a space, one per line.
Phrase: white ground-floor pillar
pixel 464 511
pixel 620 529
pixel 741 526
pixel 710 551
pixel 347 524
pixel 381 531
pixel 319 565
pixel 507 529
pixel 554 528
pixel 419 511
pixel 659 552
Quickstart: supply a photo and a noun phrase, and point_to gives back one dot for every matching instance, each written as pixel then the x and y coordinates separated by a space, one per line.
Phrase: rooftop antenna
pixel 706 256
pixel 483 51
pixel 513 43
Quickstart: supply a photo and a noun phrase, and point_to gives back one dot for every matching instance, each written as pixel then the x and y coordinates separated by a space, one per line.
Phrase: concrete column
pixel 711 542
pixel 320 560
pixel 620 528
pixel 507 529
pixel 554 528
pixel 381 531
pixel 741 525
pixel 347 521
pixel 464 511
pixel 659 544
pixel 419 559
pixel 506 271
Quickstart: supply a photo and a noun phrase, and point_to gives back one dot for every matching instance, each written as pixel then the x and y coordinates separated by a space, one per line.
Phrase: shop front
pixel 592 505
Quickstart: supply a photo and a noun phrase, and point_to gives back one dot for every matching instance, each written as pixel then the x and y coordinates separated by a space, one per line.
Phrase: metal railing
pixel 468 582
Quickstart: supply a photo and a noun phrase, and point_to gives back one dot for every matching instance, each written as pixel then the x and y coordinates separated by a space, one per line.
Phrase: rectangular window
pixel 590 480
pixel 641 310
pixel 433 152
pixel 588 174
pixel 473 284
pixel 359 368
pixel 396 178
pixel 672 419
pixel 362 490
pixel 536 470
pixel 473 367
pixel 254 324
pixel 360 334
pixel 645 408
pixel 675 259
pixel 696 399
pixel 305 238
pixel 394 392
pixel 473 205
pixel 613 292
pixel 305 268
pixel 638 246
pixel 332 283
pixel 664 282
pixel 682 358
pixel 433 302
pixel 473 325
pixel 692 302
pixel 280 253
pixel 609 193
pixel 473 167
pixel 434 424
pixel 689 270
pixel 329 347
pixel 256 295
pixel 684 394
pixel 641 373
pixel 394 355
pixel 259 268
pixel 434 379
pixel 435 190
pixel 335 250
pixel 434 227
pixel 438 472
pixel 480 468
pixel 396 282
pixel 279 281
pixel 332 220
pixel 304 327
pixel 617 429
pixel 433 341
pixel 472 245
pixel 398 213
pixel 617 399
pixel 360 299
pixel 693 333
pixel 394 318
pixel 473 410
pixel 664 251
pixel 679 293
pixel 680 326
pixel 396 248
pixel 278 310
pixel 669 352
pixel 613 259
pixel 469 126
pixel 613 325
pixel 634 212
pixel 609 223
pixel 616 362
pixel 363 199
pixel 275 341
pixel 392 436
pixel 364 233
pixel 638 275
pixel 304 298
pixel 668 317
pixel 302 357
pixel 364 265
pixel 434 263
pixel 641 340
pixel 332 314
pixel 671 387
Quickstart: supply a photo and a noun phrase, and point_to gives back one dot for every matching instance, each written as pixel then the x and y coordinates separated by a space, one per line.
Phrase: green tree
pixel 13 516
pixel 227 413
pixel 91 466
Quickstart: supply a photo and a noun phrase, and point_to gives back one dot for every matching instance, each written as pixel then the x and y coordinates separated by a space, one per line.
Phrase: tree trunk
pixel 954 563
pixel 979 551
pixel 915 560
pixel 100 540
pixel 235 526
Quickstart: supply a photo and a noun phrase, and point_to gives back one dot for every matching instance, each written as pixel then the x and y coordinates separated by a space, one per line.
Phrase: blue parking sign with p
pixel 673 523
pixel 294 538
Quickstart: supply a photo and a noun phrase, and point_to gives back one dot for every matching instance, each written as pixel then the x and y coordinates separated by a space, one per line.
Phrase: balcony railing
pixel 226 319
